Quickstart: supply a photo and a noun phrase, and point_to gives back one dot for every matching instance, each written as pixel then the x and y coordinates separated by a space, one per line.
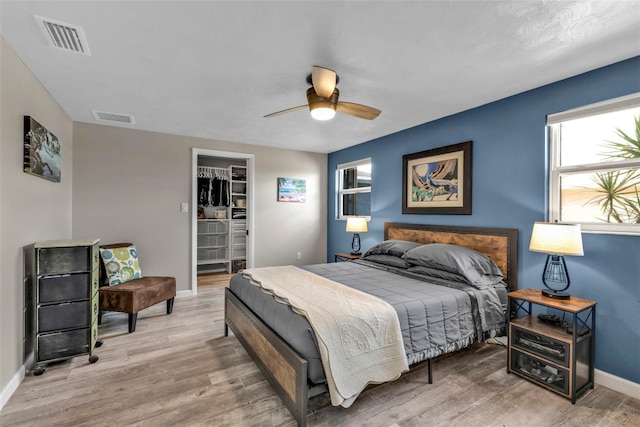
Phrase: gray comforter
pixel 436 316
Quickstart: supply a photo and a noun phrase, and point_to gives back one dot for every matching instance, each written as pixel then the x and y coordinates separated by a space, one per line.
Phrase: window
pixel 354 195
pixel 594 177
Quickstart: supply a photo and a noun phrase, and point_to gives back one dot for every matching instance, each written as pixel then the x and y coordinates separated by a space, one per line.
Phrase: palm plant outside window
pixel 595 166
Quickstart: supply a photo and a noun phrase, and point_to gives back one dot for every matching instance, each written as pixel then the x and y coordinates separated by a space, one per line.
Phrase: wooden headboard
pixel 499 244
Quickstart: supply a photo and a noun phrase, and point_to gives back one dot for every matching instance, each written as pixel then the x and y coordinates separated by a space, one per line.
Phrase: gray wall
pixel 32 209
pixel 129 185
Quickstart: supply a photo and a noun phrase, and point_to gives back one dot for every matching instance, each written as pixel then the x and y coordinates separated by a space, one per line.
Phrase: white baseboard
pixel 8 391
pixel 616 383
pixel 182 294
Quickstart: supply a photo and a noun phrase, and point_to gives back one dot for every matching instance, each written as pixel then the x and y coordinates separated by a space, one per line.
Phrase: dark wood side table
pixel 345 256
pixel 557 357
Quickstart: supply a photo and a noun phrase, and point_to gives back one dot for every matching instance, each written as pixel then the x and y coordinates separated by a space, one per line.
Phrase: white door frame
pixel 195 152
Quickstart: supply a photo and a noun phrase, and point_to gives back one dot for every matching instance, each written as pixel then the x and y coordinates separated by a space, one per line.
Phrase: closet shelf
pixel 213 261
pixel 221 242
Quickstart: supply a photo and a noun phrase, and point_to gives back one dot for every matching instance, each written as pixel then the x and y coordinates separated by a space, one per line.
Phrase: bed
pixel 285 354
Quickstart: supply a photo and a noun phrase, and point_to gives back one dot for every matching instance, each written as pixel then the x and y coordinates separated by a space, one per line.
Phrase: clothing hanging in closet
pixel 219 192
pixel 213 186
pixel 203 191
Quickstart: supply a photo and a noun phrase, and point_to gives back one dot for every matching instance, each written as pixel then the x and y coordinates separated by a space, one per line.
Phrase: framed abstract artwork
pixel 42 151
pixel 437 181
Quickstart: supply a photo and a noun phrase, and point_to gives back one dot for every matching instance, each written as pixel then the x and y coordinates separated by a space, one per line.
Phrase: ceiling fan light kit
pixel 322 108
pixel 322 98
pixel 322 113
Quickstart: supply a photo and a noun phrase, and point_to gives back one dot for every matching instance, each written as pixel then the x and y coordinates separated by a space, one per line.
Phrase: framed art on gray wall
pixel 437 181
pixel 42 151
pixel 292 190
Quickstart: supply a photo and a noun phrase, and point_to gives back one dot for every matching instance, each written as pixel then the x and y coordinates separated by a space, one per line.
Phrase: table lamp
pixel 356 225
pixel 556 240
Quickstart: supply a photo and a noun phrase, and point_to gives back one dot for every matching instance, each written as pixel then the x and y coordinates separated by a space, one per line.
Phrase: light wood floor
pixel 179 370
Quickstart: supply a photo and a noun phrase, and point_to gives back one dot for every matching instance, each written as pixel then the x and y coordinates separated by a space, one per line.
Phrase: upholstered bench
pixel 134 295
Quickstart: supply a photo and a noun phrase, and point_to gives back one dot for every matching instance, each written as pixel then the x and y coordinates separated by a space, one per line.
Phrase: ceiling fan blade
pixel 358 110
pixel 288 110
pixel 324 81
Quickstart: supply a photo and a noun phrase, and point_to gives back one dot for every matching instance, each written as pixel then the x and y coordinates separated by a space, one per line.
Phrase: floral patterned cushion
pixel 121 264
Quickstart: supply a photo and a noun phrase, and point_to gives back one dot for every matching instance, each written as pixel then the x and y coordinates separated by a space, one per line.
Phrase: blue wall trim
pixel 509 190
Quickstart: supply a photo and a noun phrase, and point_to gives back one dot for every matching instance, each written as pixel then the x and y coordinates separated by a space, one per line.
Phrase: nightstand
pixel 346 256
pixel 547 354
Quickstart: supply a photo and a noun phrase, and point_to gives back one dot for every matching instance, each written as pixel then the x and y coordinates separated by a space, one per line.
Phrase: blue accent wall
pixel 509 172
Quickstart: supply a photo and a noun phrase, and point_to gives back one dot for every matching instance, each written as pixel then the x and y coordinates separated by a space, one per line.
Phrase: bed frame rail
pixel 284 368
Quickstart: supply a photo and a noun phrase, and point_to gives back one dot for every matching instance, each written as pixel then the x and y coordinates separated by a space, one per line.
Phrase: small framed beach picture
pixel 42 151
pixel 292 190
pixel 437 181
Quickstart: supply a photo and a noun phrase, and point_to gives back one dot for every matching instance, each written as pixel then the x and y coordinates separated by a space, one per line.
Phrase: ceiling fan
pixel 322 98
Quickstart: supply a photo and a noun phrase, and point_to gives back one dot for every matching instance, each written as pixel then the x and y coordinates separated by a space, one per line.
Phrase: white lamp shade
pixel 357 225
pixel 557 239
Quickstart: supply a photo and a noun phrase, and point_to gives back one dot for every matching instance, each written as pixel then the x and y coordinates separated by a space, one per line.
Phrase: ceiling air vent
pixel 103 116
pixel 63 36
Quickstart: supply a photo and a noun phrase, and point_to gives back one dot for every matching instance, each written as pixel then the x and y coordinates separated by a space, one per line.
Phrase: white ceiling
pixel 213 69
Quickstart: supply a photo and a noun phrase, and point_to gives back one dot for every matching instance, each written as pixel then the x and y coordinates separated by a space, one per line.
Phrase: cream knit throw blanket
pixel 358 335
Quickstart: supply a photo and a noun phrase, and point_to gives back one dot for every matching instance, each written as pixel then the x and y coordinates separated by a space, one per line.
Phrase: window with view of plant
pixel 595 166
pixel 354 195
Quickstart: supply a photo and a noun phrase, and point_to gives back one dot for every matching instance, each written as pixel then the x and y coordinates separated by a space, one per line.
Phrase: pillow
pixel 121 264
pixel 478 269
pixel 434 272
pixel 390 260
pixel 391 247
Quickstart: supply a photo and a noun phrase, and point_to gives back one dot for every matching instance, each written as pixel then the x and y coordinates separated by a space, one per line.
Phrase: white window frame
pixel 556 171
pixel 342 191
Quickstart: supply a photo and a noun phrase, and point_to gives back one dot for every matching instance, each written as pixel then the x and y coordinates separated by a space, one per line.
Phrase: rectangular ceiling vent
pixel 63 36
pixel 103 116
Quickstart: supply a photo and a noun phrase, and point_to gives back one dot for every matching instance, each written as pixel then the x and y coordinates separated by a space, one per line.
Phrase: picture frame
pixel 42 151
pixel 292 190
pixel 438 181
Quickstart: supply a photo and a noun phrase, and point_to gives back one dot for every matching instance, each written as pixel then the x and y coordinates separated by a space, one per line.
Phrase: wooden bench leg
pixel 169 305
pixel 132 321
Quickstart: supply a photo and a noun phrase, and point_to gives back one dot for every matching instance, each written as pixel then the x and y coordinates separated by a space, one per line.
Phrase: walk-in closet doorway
pixel 221 212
